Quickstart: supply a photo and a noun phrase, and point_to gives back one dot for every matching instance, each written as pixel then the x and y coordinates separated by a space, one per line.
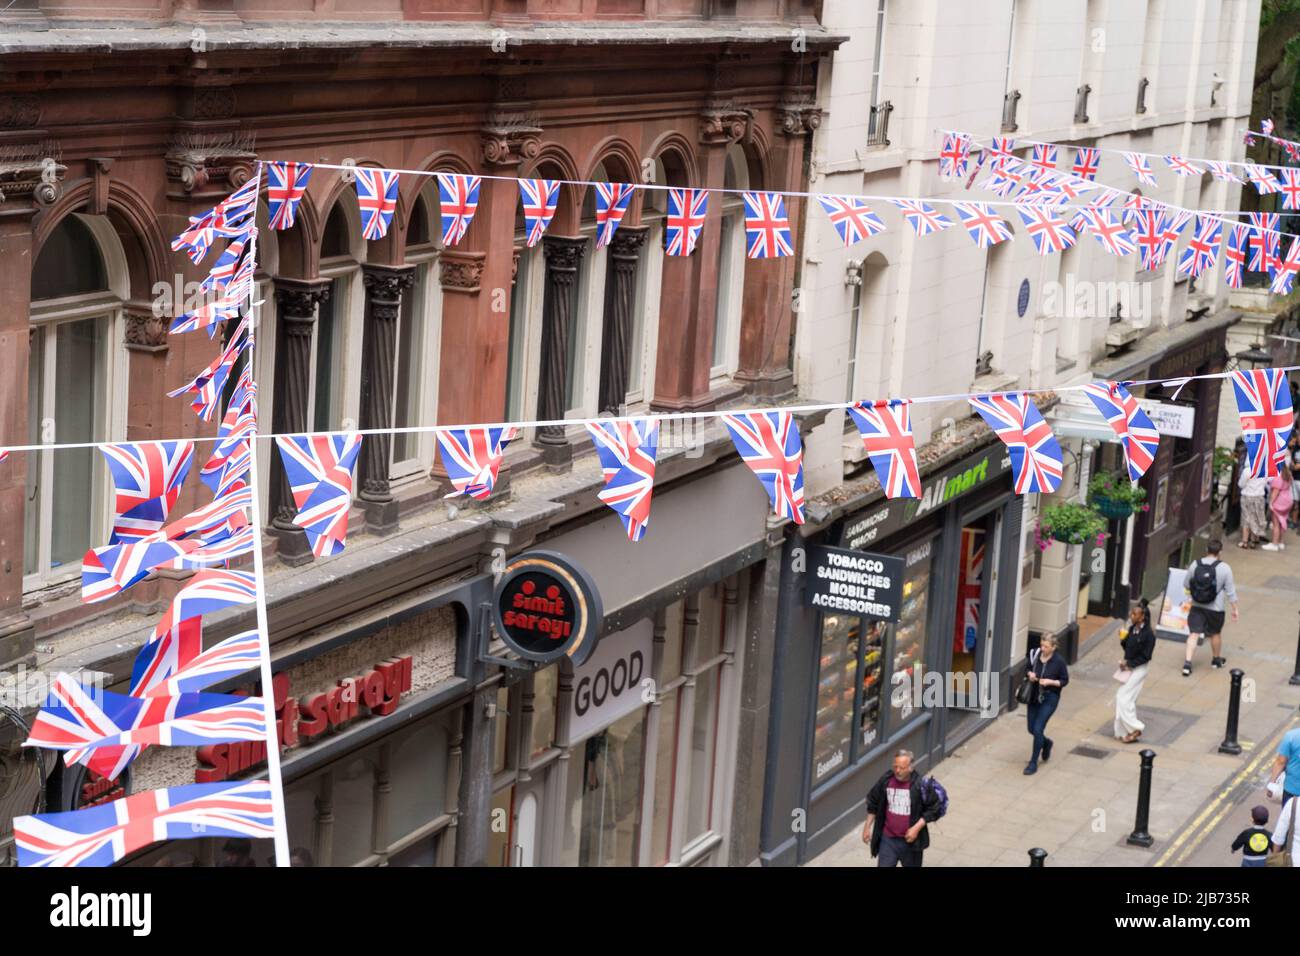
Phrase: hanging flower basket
pixel 1070 523
pixel 1114 496
pixel 1112 508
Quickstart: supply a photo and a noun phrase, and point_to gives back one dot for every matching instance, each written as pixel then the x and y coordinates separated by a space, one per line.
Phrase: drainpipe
pixel 1085 474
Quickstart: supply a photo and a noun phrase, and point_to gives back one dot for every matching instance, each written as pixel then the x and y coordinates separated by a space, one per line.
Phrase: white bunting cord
pixel 274 775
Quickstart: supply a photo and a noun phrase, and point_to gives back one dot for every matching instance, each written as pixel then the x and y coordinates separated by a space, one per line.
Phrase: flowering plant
pixel 1117 488
pixel 1071 523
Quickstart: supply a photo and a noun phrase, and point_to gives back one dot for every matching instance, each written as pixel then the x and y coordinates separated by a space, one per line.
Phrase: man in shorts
pixel 1206 614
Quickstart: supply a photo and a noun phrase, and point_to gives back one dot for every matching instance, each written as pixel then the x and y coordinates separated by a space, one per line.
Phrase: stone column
pixel 296 303
pixel 461 276
pixel 563 256
pixel 384 287
pixel 620 301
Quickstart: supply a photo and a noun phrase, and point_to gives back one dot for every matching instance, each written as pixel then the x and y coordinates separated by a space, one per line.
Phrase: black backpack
pixel 1205 582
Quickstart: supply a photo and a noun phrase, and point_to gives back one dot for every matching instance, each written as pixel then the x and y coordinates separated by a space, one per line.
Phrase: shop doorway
pixel 970 684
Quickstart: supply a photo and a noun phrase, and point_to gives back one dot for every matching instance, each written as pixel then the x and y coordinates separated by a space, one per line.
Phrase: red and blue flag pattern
pixel 540 198
pixel 377 198
pixel 286 184
pixel 1131 425
pixel 458 195
pixel 852 218
pixel 886 430
pixel 612 200
pixel 1267 418
pixel 147 479
pixel 319 471
pixel 627 460
pixel 1036 462
pixel 769 444
pixel 472 457
pixel 767 228
pixel 687 209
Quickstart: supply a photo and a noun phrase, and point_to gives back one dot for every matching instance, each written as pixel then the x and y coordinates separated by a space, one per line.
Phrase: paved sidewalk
pixel 1081 805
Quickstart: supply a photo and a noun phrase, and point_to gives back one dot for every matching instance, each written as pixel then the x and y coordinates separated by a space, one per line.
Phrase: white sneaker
pixel 1270 546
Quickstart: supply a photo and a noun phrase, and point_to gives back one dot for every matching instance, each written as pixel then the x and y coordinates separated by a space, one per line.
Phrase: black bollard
pixel 1036 856
pixel 1295 678
pixel 1140 836
pixel 1230 745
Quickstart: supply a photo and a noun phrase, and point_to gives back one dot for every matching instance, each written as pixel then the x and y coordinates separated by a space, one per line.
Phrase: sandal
pixel 1243 545
pixel 1133 737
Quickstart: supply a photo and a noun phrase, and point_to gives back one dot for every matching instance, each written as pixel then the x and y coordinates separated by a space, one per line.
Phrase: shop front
pixel 858 677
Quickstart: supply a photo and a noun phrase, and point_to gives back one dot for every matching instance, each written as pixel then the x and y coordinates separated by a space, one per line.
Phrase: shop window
pixel 833 728
pixel 499 827
pixel 910 631
pixel 665 778
pixel 671 667
pixel 704 741
pixel 543 731
pixel 605 792
pixel 418 778
pixel 501 731
pixel 354 811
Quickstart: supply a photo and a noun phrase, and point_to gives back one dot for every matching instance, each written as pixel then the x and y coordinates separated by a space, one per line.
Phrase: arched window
pixel 75 317
pixel 731 265
pixel 336 348
pixel 419 334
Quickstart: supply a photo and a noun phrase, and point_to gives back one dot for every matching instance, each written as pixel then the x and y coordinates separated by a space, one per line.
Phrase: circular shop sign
pixel 545 607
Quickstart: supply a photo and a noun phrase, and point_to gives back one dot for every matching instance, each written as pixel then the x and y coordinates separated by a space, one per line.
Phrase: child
pixel 1254 840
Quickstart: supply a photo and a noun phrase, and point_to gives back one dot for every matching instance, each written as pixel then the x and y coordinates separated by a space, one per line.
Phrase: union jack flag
pixel 1264 242
pixel 3 455
pixel 232 217
pixel 769 443
pixel 1203 248
pixel 886 430
pixel 1005 179
pixel 686 211
pixel 1036 463
pixel 459 197
pixel 1150 236
pixel 921 216
pixel 1182 167
pixel 1234 255
pixel 539 197
pixel 147 478
pixel 319 471
pixel 627 459
pixel 230 454
pixel 1043 157
pixel 207 386
pixel 611 204
pixel 164 657
pixel 102 835
pixel 472 457
pixel 1113 235
pixel 851 217
pixel 1262 179
pixel 108 571
pixel 208 591
pixel 224 512
pixel 1141 168
pixel 1264 402
pixel 377 197
pixel 226 267
pixel 1000 151
pixel 767 229
pixel 285 185
pixel 1290 187
pixel 1087 161
pixel 954 155
pixel 1266 126
pixel 1131 425
pixel 226 305
pixel 232 657
pixel 1046 228
pixel 984 227
pixel 1286 270
pixel 1222 172
pixel 1171 224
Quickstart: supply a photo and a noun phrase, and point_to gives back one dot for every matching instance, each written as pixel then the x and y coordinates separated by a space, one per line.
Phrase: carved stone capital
pixel 798 118
pixel 509 139
pixel 31 173
pixel 562 256
pixel 627 242
pixel 145 330
pixel 385 284
pixel 461 271
pixel 722 124
pixel 200 164
pixel 296 299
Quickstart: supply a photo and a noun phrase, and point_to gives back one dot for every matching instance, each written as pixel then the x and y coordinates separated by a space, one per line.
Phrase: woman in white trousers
pixel 1139 644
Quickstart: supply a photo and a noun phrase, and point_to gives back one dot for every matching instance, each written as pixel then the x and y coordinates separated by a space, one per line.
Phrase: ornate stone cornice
pixel 627 242
pixel 20 111
pixel 146 331
pixel 195 162
pixel 509 138
pixel 296 299
pixel 798 117
pixel 562 256
pixel 31 173
pixel 724 123
pixel 461 271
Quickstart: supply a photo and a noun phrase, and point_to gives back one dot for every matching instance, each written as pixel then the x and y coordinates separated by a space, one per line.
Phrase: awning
pixel 1075 416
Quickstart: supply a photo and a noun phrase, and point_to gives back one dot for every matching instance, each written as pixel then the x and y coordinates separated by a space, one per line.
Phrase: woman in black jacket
pixel 1047 670
pixel 1139 644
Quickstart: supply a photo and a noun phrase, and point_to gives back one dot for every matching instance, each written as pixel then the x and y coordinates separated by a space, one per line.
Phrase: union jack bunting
pixel 226 267
pixel 686 211
pixel 3 455
pixel 196 238
pixel 232 657
pixel 1290 187
pixel 886 430
pixel 226 305
pixel 210 590
pixel 1285 274
pixel 222 513
pixel 239 424
pixel 1036 463
pixel 285 185
pixel 627 459
pixel 232 218
pixel 767 229
pixel 164 657
pixel 74 718
pixel 108 571
pixel 1222 171
pixel 1264 242
pixel 984 227
pixel 1114 236
pixel 377 197
pixel 1182 167
pixel 769 443
pixel 1234 255
pixel 1006 178
pixel 459 197
pixel 1266 126
pixel 207 386
pixel 1149 233
pixel 611 204
pixel 1131 425
pixel 1203 249
pixel 1141 169
pixel 954 155
pixel 921 216
pixel 319 471
pixel 1262 179
pixel 1000 151
pixel 1046 228
pixel 1087 161
pixel 147 479
pixel 472 457
pixel 1264 402
pixel 1171 224
pixel 102 835
pixel 852 218
pixel 539 197
pixel 1043 157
